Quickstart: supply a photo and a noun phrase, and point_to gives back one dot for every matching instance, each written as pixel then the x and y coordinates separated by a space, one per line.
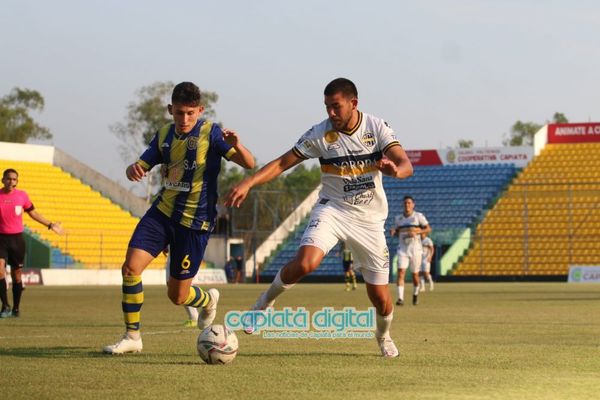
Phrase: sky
pixel 437 71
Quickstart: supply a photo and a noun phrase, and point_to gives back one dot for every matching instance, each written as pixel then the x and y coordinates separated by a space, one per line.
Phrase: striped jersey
pixel 350 180
pixel 414 220
pixel 192 164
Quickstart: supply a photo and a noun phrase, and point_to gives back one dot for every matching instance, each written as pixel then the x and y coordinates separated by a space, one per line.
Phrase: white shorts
pixel 365 239
pixel 425 266
pixel 413 258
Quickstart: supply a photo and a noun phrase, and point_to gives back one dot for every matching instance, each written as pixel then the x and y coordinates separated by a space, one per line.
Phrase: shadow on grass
pixel 50 352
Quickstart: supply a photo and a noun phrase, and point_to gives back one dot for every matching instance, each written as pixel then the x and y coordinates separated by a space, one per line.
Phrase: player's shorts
pixel 12 249
pixel 186 246
pixel 425 266
pixel 347 265
pixel 411 257
pixel 366 239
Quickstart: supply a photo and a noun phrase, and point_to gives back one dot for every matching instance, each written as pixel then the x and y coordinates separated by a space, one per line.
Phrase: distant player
pixel 183 215
pixel 409 227
pixel 354 149
pixel 428 252
pixel 13 202
pixel 348 264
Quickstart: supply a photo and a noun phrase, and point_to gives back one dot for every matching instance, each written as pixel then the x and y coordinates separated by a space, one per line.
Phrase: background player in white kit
pixel 409 227
pixel 428 252
pixel 353 149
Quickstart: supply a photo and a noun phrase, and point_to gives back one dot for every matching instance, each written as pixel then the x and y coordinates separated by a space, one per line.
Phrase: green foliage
pixel 465 144
pixel 16 125
pixel 522 133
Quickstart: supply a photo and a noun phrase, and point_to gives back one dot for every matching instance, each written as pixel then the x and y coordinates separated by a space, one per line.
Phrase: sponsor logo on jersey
pixel 359 183
pixel 368 139
pixel 360 199
pixel 333 146
pixel 192 143
pixel 331 136
pixel 314 223
pixel 18 210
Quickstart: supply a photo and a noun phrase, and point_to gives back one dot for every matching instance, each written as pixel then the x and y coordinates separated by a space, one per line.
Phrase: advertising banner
pixel 584 274
pixel 574 133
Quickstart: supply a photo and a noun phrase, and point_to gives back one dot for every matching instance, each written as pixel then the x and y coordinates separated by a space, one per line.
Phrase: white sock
pixel 383 325
pixel 192 313
pixel 400 292
pixel 277 287
pixel 415 290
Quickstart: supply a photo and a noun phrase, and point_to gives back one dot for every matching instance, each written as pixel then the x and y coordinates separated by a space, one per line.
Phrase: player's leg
pixel 353 277
pixel 415 266
pixel 347 277
pixel 372 257
pixel 148 240
pixel 187 252
pixel 427 273
pixel 403 262
pixel 16 259
pixel 5 310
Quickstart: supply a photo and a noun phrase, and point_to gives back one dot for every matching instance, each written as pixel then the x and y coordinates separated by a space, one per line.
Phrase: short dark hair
pixel 8 171
pixel 186 93
pixel 341 85
pixel 408 198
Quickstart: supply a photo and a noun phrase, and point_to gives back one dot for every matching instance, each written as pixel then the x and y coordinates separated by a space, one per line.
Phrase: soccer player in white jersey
pixel 409 227
pixel 354 149
pixel 428 251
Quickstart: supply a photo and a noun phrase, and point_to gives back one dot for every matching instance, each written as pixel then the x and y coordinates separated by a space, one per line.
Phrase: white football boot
pixel 208 313
pixel 388 348
pixel 125 345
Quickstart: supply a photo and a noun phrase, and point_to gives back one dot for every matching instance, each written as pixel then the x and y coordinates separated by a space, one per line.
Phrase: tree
pixel 560 118
pixel 465 144
pixel 145 116
pixel 16 125
pixel 521 133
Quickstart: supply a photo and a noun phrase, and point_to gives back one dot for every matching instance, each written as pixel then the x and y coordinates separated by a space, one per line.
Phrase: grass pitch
pixel 463 341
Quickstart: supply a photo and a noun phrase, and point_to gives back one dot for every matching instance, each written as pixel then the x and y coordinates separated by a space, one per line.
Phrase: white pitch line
pixel 88 335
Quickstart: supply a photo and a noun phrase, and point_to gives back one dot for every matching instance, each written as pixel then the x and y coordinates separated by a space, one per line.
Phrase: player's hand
pixel 57 228
pixel 237 194
pixel 230 137
pixel 387 167
pixel 135 172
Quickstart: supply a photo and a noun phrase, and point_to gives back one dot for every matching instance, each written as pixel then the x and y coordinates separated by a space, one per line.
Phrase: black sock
pixel 3 297
pixel 17 289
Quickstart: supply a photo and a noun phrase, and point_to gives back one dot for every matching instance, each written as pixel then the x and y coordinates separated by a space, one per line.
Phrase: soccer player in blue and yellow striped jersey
pixel 183 215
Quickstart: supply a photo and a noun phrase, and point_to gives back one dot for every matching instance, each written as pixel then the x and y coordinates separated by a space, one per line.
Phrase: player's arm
pixel 53 226
pixel 395 163
pixel 242 155
pixel 151 157
pixel 272 170
pixel 425 230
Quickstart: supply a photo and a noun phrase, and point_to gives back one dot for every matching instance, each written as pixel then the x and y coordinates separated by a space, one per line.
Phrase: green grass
pixel 464 341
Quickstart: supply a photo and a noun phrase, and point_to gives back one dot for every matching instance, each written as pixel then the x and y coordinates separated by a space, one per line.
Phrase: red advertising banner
pixel 574 133
pixel 424 157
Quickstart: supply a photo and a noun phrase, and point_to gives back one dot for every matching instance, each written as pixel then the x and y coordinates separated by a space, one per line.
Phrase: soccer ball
pixel 217 344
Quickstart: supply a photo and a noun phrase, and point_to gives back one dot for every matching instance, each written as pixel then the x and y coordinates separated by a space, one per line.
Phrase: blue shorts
pixel 156 231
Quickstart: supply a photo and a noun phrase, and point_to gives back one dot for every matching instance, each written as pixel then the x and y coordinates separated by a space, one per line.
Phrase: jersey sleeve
pixel 152 156
pixel 307 147
pixel 27 204
pixel 423 221
pixel 387 138
pixel 222 147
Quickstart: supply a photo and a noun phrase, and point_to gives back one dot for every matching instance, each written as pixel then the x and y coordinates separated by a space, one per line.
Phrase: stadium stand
pixel 97 230
pixel 548 219
pixel 451 197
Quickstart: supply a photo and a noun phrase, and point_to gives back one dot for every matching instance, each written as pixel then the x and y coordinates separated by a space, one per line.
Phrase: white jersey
pixel 350 180
pixel 427 243
pixel 415 220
